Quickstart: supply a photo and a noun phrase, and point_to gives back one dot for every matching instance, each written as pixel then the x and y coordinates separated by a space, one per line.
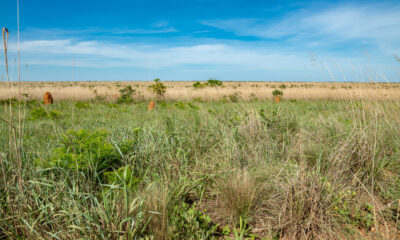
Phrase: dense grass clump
pixel 203 170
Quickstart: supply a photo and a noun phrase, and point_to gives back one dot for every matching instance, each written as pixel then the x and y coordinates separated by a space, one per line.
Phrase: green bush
pixel 158 88
pixel 277 92
pixel 126 94
pixel 190 223
pixel 42 113
pixel 214 82
pixel 88 151
pixel 199 85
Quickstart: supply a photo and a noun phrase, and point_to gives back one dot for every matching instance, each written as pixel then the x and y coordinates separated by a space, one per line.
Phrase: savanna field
pixel 212 160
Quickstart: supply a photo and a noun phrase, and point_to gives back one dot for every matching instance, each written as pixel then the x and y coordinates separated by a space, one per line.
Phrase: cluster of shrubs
pixel 210 83
pixel 127 93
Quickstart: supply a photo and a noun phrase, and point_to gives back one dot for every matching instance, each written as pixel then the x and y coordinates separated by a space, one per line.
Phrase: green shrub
pixel 126 94
pixel 214 82
pixel 277 92
pixel 158 88
pixel 190 223
pixel 88 151
pixel 199 85
pixel 41 113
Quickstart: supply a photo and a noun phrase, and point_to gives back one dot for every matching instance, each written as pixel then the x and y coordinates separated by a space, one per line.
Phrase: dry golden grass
pixel 183 91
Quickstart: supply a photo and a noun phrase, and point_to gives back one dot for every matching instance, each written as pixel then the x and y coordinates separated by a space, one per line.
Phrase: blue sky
pixel 202 39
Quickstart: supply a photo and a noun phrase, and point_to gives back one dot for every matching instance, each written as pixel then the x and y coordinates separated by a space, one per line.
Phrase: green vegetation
pixel 158 88
pixel 199 85
pixel 200 170
pixel 126 94
pixel 214 82
pixel 277 92
pixel 210 83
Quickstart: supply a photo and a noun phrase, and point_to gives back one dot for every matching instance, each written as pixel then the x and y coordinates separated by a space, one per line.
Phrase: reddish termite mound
pixel 47 99
pixel 151 106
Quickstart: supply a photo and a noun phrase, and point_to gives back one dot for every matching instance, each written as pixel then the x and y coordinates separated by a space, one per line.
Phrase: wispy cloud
pixel 374 24
pixel 89 54
pixel 159 27
pixel 146 31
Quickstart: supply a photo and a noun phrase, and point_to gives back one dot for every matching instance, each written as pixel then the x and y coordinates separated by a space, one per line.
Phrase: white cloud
pixel 92 53
pixel 370 24
pixel 145 31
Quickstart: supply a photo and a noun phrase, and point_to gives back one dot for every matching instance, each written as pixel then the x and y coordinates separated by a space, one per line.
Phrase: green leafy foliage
pixel 158 88
pixel 210 83
pixel 126 95
pixel 42 113
pixel 344 206
pixel 199 85
pixel 282 86
pixel 277 92
pixel 214 82
pixel 190 223
pixel 88 151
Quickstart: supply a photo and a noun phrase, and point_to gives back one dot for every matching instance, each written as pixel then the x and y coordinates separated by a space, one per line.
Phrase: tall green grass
pixel 294 170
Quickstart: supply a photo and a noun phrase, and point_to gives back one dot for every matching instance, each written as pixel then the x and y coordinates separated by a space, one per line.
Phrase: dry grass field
pixel 184 91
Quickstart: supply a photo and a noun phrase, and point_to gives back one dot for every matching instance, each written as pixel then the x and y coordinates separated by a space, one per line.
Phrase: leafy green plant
pixel 344 205
pixel 42 113
pixel 199 85
pixel 282 86
pixel 126 94
pixel 88 151
pixel 190 223
pixel 158 88
pixel 214 82
pixel 277 92
pixel 242 232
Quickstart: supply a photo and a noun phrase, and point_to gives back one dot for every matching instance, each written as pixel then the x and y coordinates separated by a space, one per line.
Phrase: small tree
pixel 126 94
pixel 198 85
pixel 158 88
pixel 277 93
